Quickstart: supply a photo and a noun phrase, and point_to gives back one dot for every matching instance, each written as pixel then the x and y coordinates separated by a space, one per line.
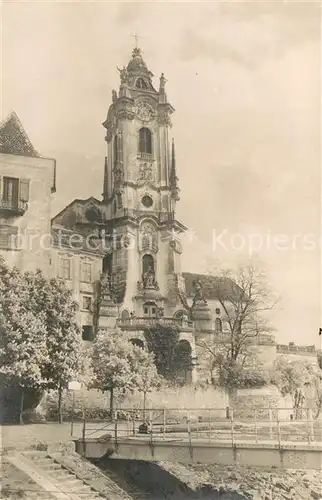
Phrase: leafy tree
pixel 120 365
pixel 23 348
pixel 162 341
pixel 292 377
pixel 53 300
pixel 147 378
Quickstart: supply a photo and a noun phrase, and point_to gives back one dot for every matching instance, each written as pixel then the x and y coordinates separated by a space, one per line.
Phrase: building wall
pixel 33 244
pixel 75 283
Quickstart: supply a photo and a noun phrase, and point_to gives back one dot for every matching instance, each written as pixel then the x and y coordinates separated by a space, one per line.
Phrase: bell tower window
pixel 141 84
pixel 145 141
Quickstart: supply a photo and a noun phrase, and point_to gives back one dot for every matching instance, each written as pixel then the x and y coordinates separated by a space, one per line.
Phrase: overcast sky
pixel 244 78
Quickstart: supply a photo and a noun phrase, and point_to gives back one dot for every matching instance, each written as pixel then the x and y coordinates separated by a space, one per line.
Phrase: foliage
pixel 39 336
pixel 23 350
pixel 54 300
pixel 162 341
pixel 120 365
pixel 290 375
pixel 237 375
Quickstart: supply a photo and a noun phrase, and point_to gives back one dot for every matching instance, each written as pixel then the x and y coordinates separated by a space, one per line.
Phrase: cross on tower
pixel 136 38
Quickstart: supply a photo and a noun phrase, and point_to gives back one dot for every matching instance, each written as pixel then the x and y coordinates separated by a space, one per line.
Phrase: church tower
pixel 140 193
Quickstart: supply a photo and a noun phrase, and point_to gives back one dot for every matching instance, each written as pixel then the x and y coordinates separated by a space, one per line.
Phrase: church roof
pixel 14 139
pixel 213 287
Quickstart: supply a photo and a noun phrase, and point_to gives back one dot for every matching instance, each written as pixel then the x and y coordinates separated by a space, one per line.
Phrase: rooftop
pixel 14 139
pixel 213 287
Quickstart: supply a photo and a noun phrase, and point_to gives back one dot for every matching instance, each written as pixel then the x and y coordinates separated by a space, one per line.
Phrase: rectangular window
pixel 64 268
pixel 87 303
pixel 87 332
pixel 10 191
pixel 86 272
pixel 8 236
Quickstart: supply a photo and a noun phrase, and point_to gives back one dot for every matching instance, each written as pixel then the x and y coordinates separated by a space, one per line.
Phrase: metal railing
pixel 275 426
pixel 14 206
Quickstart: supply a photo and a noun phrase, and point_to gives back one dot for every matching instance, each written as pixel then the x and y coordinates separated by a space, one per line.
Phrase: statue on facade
pixel 198 298
pixel 160 312
pixel 145 172
pixel 123 75
pixel 105 284
pixel 148 278
pixel 162 84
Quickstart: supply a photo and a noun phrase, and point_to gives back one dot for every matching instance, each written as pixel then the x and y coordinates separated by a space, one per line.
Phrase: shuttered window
pixel 8 236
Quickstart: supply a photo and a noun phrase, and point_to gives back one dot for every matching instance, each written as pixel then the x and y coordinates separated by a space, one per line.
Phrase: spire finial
pixel 136 38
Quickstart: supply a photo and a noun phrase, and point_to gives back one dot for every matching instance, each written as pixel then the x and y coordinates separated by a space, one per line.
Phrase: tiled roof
pixel 213 287
pixel 13 138
pixel 67 239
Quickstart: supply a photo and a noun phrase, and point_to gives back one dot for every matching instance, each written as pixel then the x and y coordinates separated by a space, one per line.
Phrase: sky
pixel 244 78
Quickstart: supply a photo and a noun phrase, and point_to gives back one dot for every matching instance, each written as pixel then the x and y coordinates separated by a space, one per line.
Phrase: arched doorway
pixel 137 342
pixel 182 362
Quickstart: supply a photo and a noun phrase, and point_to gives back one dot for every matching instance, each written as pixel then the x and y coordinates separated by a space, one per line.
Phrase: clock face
pixel 144 112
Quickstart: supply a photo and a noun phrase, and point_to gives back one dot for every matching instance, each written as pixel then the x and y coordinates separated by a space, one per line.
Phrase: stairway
pixel 64 481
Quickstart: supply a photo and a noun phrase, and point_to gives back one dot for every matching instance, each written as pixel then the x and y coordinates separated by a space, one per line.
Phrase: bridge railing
pixel 273 425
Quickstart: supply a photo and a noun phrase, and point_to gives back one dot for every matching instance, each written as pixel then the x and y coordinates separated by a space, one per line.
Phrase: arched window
pixel 125 315
pixel 141 84
pixel 218 325
pixel 145 141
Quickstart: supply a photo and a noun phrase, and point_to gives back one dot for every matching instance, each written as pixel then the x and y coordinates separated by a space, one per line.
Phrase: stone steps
pixel 61 478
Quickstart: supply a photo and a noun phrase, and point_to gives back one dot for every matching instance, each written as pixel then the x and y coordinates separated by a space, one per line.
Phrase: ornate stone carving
pixel 125 114
pixel 146 172
pixel 198 299
pixel 164 120
pixel 144 112
pixel 105 284
pixel 123 75
pixel 118 176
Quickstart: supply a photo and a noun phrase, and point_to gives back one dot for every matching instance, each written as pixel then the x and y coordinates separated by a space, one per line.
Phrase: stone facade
pixel 27 181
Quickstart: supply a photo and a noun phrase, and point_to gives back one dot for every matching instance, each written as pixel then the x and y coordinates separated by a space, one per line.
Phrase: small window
pixel 218 325
pixel 146 310
pixel 87 303
pixel 119 200
pixel 64 268
pixel 86 272
pixel 8 237
pixel 217 310
pixel 10 192
pixel 147 201
pixel 141 84
pixel 145 141
pixel 87 332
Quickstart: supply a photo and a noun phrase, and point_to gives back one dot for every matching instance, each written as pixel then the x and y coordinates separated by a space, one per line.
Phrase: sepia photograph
pixel 160 250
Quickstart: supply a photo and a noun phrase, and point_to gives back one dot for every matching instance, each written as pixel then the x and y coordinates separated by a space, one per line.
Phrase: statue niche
pixel 148 273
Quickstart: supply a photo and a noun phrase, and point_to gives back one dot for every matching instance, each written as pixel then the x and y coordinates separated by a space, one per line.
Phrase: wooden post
pixel 270 423
pixel 164 422
pixel 255 421
pixel 310 426
pixel 189 427
pixel 133 422
pixel 278 428
pixel 232 427
pixel 72 420
pixel 115 427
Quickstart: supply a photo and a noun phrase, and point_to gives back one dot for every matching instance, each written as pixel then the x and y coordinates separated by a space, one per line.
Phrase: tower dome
pixel 137 64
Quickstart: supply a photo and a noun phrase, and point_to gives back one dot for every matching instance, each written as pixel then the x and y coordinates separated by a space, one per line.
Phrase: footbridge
pixel 273 437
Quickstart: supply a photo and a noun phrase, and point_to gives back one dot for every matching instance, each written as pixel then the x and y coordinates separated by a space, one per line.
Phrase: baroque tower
pixel 140 193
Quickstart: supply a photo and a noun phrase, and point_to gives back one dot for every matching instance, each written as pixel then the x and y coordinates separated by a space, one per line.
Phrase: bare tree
pixel 246 301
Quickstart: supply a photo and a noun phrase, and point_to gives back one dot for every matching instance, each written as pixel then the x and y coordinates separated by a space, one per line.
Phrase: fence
pixel 208 425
